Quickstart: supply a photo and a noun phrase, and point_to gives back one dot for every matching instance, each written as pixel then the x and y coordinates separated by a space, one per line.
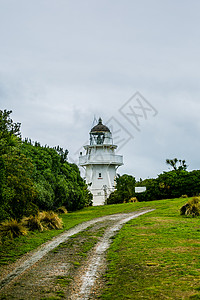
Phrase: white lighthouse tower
pixel 100 163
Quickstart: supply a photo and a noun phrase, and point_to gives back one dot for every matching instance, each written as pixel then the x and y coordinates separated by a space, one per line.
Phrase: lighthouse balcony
pixel 111 159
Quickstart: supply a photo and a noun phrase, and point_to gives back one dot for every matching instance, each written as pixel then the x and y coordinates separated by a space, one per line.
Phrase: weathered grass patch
pixel 156 256
pixel 63 280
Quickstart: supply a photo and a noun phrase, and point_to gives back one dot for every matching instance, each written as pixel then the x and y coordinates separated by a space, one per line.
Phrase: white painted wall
pixel 100 163
pixel 100 175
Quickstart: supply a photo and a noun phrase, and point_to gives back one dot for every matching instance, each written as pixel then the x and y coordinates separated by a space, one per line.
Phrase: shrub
pixel 62 210
pixel 125 189
pixel 133 199
pixel 191 208
pixel 184 196
pixel 33 223
pixel 183 209
pixel 11 229
pixel 50 220
pixel 194 200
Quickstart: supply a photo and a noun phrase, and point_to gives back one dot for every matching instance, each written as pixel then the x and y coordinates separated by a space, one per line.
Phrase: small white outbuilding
pixel 100 163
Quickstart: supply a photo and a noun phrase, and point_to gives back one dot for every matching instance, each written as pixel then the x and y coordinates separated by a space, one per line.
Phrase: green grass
pixel 10 251
pixel 156 256
pixel 63 280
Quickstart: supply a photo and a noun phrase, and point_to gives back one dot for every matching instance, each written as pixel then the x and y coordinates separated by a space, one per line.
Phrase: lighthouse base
pixel 98 200
pixel 100 196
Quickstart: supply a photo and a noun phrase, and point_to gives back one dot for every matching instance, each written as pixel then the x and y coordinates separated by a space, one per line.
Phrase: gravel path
pixel 69 266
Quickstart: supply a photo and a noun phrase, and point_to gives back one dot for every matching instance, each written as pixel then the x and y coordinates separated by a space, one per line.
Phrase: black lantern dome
pixel 100 127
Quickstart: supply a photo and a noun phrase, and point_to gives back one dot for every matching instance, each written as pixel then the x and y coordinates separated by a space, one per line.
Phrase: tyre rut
pixel 33 278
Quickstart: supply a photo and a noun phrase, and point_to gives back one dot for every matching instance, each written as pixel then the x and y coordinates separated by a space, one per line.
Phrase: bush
pixel 12 229
pixel 191 208
pixel 62 210
pixel 45 194
pixel 170 185
pixel 33 223
pixel 125 189
pixel 50 220
pixel 132 200
pixel 183 209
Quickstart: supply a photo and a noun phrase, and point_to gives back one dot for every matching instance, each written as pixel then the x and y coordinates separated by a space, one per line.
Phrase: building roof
pixel 100 127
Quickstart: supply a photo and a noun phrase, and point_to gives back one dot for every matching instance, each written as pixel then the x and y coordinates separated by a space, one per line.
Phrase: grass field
pixel 10 251
pixel 155 256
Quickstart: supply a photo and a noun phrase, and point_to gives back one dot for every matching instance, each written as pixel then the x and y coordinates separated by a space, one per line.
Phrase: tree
pixel 152 190
pixel 58 182
pixel 18 192
pixel 10 136
pixel 125 189
pixel 35 177
pixel 173 164
pixel 7 126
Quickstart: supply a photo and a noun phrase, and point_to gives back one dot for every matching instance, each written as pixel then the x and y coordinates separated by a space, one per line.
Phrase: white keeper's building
pixel 100 163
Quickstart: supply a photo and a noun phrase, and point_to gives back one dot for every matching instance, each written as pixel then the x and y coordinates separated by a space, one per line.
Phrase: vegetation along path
pixel 69 265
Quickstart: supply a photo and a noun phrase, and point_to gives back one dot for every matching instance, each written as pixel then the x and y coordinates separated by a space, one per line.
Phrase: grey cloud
pixel 64 62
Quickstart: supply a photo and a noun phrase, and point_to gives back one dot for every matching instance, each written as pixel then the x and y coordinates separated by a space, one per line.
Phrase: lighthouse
pixel 100 163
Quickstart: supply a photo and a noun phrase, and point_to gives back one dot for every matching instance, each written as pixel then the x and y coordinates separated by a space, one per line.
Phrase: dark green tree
pixel 173 163
pixel 125 189
pixel 17 192
pixel 35 177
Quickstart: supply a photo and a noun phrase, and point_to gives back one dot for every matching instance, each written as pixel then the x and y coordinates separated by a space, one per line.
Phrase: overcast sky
pixel 62 63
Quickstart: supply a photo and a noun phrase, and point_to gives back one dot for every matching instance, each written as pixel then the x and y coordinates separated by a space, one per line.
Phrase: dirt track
pixel 68 267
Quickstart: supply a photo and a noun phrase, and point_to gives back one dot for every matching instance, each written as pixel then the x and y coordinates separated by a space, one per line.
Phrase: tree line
pixel 35 177
pixel 172 184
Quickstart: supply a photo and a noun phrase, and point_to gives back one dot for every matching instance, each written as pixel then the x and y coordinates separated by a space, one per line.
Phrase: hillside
pixel 35 177
pixel 154 256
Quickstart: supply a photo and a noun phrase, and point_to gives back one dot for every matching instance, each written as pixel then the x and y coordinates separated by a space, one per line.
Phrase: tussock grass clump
pixel 62 210
pixel 191 208
pixel 132 200
pixel 43 221
pixel 50 220
pixel 33 223
pixel 12 229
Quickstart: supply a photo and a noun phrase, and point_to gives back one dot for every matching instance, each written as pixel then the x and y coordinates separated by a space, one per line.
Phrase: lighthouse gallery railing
pixel 101 159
